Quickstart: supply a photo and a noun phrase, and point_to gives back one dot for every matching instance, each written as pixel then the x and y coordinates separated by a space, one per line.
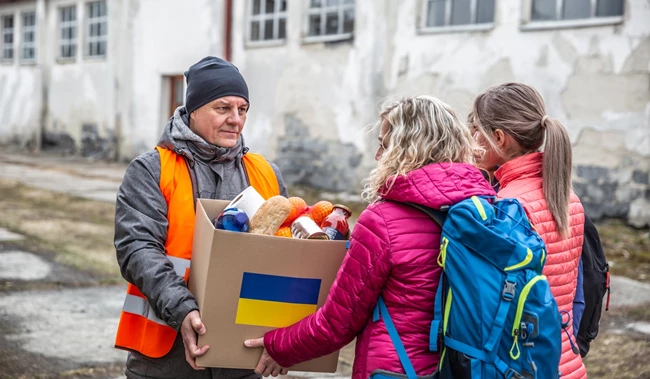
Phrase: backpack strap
pixel 380 308
pixel 438 215
pixel 435 332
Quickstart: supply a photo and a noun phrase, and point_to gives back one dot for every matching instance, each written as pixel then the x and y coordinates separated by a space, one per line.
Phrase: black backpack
pixel 595 276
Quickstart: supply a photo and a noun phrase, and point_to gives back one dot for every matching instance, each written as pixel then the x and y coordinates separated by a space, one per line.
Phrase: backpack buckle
pixel 508 292
pixel 510 373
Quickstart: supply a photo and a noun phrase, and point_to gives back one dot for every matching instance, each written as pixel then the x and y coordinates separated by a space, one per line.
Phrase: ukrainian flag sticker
pixel 276 301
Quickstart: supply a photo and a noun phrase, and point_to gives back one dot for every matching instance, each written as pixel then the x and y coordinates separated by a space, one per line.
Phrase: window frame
pixel 528 24
pixel 61 25
pixel 24 45
pixel 11 47
pixel 276 16
pixel 341 7
pixel 88 39
pixel 448 28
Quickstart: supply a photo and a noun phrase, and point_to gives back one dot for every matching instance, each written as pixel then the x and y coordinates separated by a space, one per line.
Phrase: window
pixel 7 37
pixel 96 29
pixel 268 20
pixel 68 32
pixel 556 10
pixel 29 36
pixel 445 13
pixel 331 19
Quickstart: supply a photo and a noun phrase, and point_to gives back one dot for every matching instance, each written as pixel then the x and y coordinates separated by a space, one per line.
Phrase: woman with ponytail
pixel 510 122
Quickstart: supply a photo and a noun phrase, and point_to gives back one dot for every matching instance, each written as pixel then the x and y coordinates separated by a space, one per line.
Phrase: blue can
pixel 232 219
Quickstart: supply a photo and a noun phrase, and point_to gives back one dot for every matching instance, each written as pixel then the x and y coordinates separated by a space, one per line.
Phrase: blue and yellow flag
pixel 276 301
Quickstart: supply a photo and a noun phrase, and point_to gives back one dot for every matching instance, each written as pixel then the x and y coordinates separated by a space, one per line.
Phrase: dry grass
pixel 78 232
pixel 627 249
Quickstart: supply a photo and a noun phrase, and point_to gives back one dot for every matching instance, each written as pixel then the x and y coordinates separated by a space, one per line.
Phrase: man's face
pixel 221 121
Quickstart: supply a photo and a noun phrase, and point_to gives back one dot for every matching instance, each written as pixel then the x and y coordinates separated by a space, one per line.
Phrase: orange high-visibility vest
pixel 139 328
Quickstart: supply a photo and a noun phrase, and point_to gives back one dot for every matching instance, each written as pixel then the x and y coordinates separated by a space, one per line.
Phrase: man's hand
pixel 192 324
pixel 267 365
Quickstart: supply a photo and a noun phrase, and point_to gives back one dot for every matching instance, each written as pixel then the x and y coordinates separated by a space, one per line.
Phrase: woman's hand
pixel 267 365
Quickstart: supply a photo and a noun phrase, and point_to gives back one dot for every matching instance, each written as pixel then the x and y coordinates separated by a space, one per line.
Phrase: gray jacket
pixel 141 213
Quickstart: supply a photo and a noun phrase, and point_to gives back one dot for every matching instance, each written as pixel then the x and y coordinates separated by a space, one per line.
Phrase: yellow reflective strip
pixel 479 206
pixel 543 257
pixel 442 257
pixel 529 257
pixel 522 301
pixel 271 313
pixel 447 309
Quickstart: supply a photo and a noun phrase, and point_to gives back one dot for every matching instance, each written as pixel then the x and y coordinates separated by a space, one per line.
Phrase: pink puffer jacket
pixel 521 178
pixel 393 253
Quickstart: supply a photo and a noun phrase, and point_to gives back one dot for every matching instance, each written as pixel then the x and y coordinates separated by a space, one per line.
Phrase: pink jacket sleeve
pixel 350 302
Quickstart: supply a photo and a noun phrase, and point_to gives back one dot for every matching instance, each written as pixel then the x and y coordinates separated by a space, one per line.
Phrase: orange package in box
pixel 320 210
pixel 299 208
pixel 284 231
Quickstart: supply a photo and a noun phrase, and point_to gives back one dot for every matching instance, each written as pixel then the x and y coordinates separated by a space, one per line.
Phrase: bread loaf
pixel 270 216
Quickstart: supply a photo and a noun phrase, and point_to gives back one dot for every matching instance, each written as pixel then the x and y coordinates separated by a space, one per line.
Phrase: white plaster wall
pixel 332 88
pixel 20 85
pixel 592 77
pixel 168 37
pixel 83 90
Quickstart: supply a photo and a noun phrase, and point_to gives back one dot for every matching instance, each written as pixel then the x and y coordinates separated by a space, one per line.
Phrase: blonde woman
pixel 425 156
pixel 511 123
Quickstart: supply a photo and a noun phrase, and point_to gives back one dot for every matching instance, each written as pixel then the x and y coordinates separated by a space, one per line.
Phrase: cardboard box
pixel 239 281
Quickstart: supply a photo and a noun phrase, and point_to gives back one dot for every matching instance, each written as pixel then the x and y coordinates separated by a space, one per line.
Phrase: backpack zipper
pixel 520 311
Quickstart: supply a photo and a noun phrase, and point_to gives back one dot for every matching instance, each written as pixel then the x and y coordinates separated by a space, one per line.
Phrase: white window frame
pixel 6 31
pixel 65 25
pixel 529 24
pixel 95 39
pixel 341 7
pixel 24 45
pixel 448 28
pixel 276 16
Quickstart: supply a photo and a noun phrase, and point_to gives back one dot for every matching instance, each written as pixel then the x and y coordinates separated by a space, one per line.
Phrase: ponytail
pixel 556 173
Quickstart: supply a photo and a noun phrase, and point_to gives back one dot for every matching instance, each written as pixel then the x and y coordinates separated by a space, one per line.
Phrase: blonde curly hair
pixel 421 130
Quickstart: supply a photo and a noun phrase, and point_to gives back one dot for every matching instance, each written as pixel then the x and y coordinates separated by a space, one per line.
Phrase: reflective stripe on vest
pixel 139 305
pixel 139 328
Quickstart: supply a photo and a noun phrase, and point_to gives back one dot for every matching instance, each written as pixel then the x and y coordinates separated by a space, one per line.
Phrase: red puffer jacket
pixel 393 253
pixel 521 178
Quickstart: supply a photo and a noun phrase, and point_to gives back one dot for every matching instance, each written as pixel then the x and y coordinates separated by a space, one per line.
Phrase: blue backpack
pixel 494 314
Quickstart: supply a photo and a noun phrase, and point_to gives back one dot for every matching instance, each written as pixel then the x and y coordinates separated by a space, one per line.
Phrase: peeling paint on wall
pixel 316 162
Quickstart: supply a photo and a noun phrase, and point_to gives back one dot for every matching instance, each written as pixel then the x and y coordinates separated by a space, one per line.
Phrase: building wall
pixel 69 104
pixel 596 80
pixel 317 98
pixel 21 85
pixel 167 40
pixel 82 92
pixel 310 102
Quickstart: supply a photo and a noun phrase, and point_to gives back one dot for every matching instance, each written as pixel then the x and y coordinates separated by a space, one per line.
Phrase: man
pixel 201 155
